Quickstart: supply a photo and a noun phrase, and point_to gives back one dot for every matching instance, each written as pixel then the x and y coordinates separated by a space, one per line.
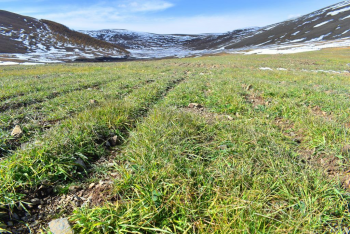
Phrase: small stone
pixel 73 188
pixel 195 105
pixel 92 101
pixel 81 163
pixel 15 216
pixel 229 117
pixel 17 131
pixel 113 141
pixel 60 226
pixel 249 87
pixel 223 147
pixel 35 201
pixel 92 185
pixel 10 224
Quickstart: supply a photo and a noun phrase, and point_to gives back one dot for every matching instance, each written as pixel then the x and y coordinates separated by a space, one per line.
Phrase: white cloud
pixel 144 6
pixel 99 14
pixel 294 16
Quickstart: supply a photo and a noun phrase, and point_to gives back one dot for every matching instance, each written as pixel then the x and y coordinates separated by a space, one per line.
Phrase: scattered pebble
pixel 60 226
pixel 92 185
pixel 113 141
pixel 229 117
pixel 195 106
pixel 17 131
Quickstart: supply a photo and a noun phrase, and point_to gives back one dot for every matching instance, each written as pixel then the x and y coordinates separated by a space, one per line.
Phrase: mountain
pixel 27 39
pixel 330 23
pixel 325 25
pixel 31 39
pixel 151 45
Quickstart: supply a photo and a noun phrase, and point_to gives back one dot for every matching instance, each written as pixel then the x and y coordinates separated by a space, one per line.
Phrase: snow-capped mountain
pixel 314 29
pixel 28 39
pixel 151 45
pixel 330 23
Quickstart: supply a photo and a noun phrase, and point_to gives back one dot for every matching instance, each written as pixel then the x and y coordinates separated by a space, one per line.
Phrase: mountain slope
pixel 33 38
pixel 142 44
pixel 329 23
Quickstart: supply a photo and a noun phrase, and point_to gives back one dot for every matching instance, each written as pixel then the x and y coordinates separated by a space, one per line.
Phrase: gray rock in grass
pixel 60 226
pixel 81 163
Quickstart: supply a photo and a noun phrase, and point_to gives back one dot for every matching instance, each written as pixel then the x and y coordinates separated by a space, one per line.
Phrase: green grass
pixel 277 167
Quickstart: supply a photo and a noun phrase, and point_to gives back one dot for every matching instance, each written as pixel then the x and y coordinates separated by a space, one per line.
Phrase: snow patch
pixel 333 13
pixel 266 68
pixel 323 23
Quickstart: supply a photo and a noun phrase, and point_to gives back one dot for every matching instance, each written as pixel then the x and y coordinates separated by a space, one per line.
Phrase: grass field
pixel 266 150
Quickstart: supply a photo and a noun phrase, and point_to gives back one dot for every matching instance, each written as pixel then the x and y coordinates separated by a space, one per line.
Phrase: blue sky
pixel 165 16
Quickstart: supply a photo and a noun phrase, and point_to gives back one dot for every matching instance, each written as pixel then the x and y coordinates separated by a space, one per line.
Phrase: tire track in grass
pixel 45 124
pixel 34 81
pixel 15 105
pixel 140 102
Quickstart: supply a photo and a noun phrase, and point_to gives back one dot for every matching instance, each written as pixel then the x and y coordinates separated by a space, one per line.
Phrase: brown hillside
pixel 64 34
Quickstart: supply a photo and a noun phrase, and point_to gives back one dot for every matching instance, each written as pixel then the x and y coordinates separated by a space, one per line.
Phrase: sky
pixel 165 16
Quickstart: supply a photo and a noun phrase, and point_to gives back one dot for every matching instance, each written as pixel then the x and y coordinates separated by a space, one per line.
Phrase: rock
pixel 229 117
pixel 345 149
pixel 73 188
pixel 249 87
pixel 92 185
pixel 92 101
pixel 17 131
pixel 114 174
pixel 35 201
pixel 81 163
pixel 10 224
pixel 113 141
pixel 60 226
pixel 15 216
pixel 223 147
pixel 195 105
